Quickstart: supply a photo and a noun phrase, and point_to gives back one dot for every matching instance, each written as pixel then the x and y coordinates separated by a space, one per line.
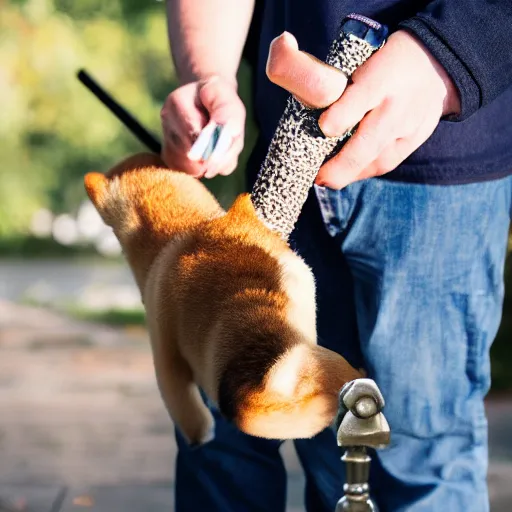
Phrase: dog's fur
pixel 230 307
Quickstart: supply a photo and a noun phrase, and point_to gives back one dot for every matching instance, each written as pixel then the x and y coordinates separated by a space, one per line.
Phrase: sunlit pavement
pixel 82 426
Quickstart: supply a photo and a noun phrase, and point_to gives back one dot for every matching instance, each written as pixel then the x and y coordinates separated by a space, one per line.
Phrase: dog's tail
pixel 299 395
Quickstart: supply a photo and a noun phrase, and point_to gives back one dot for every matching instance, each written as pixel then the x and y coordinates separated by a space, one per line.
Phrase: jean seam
pixel 327 210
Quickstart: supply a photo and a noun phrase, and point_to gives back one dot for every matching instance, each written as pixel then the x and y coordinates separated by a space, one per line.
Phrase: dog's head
pixel 147 205
pixel 126 195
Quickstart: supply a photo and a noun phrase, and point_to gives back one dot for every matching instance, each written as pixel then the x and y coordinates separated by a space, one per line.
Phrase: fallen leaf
pixel 83 501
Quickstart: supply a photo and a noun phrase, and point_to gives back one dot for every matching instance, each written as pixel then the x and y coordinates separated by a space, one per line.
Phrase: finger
pixel 387 161
pixel 229 167
pixel 392 156
pixel 180 130
pixel 313 82
pixel 345 113
pixel 375 132
pixel 182 119
pixel 224 106
pixel 224 165
pixel 178 161
pixel 396 153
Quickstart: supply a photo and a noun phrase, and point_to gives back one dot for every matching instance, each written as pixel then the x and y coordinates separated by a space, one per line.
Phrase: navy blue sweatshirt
pixel 472 39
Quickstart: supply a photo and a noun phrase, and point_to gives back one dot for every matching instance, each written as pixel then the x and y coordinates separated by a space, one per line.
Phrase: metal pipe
pixel 120 112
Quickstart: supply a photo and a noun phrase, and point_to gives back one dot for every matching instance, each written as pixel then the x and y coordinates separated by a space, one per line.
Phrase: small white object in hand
pixel 213 140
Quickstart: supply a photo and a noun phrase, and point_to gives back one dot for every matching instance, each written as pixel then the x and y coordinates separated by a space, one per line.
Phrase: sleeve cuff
pixel 470 94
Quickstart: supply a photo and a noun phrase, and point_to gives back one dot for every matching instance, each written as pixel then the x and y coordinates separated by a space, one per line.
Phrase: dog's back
pixel 230 308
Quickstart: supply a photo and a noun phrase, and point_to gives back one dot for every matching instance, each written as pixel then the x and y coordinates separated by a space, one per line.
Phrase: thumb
pixel 220 98
pixel 182 118
pixel 310 80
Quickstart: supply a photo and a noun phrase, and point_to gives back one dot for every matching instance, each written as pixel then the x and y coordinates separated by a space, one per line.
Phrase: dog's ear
pixel 96 187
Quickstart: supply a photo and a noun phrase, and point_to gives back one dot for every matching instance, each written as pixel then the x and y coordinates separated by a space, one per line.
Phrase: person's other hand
pixel 187 110
pixel 398 96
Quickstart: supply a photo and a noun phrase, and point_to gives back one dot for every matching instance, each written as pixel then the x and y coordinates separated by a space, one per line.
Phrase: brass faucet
pixel 360 425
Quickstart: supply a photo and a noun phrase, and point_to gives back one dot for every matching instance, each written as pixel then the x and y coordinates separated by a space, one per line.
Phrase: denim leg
pixel 337 330
pixel 419 290
pixel 427 265
pixel 235 472
pixel 232 473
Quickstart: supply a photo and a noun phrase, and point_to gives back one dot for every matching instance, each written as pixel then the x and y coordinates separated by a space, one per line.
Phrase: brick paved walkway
pixel 82 427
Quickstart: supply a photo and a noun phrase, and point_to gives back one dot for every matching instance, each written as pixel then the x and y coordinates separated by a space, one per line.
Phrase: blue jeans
pixel 410 287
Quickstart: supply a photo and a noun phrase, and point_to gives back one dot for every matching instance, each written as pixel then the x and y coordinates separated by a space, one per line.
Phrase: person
pixel 405 230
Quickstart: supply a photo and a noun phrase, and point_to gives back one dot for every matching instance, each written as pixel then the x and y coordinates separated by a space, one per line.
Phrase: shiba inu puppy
pixel 230 307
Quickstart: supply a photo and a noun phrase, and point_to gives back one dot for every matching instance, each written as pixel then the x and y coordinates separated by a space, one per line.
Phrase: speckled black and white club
pixel 299 148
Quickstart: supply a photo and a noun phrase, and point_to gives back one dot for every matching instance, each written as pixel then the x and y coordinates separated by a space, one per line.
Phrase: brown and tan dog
pixel 230 307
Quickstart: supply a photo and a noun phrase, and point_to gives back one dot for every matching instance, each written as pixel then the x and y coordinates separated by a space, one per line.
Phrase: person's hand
pixel 398 96
pixel 187 110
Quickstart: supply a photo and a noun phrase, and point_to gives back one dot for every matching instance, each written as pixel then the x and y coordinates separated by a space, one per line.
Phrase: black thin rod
pixel 120 112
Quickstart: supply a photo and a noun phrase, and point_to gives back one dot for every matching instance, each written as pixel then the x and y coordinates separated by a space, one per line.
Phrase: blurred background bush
pixel 53 131
pixel 54 249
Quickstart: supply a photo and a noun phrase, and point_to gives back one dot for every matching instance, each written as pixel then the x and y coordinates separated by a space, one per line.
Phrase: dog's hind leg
pixel 181 395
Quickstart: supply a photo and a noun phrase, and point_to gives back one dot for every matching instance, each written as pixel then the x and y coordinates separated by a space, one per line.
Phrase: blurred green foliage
pixel 115 317
pixel 52 129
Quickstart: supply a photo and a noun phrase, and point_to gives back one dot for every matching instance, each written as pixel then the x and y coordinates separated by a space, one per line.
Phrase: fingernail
pixel 211 170
pixel 324 127
pixel 210 173
pixel 289 39
pixel 327 128
pixel 319 181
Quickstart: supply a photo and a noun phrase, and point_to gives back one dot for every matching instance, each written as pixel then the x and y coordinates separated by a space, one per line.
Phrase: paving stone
pixel 500 487
pixel 30 498
pixel 120 498
pixel 499 414
pixel 88 416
